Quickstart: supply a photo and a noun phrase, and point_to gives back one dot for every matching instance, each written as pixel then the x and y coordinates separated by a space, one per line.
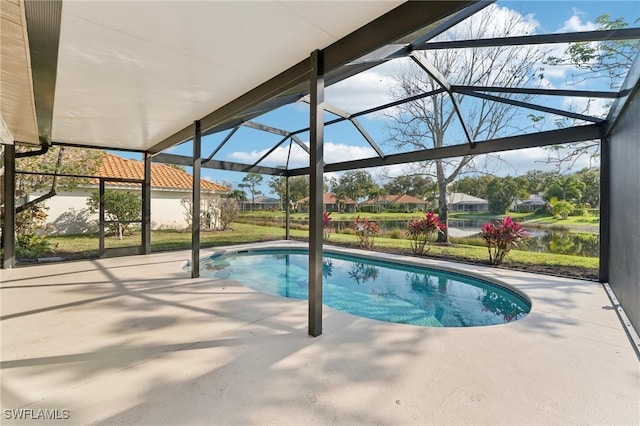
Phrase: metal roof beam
pixel 183 160
pixel 544 92
pixel 346 116
pixel 598 35
pixel 265 128
pixel 435 74
pixel 268 153
pixel 224 141
pixel 531 106
pixel 630 88
pixel 552 137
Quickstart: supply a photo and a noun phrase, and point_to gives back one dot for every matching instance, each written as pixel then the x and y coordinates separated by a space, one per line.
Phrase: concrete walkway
pixel 134 340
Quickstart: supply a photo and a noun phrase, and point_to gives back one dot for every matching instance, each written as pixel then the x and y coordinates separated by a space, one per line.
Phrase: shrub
pixel 228 210
pixel 561 208
pixel 366 231
pixel 120 208
pixel 327 225
pixel 29 224
pixel 421 232
pixel 501 238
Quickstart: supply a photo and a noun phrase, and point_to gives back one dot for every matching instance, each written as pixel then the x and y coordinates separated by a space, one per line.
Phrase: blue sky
pixel 342 141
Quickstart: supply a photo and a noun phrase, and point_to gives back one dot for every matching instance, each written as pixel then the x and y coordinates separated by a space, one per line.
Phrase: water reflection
pixel 501 306
pixel 362 272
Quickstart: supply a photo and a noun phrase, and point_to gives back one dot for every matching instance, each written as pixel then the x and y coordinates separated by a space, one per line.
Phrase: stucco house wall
pixel 68 211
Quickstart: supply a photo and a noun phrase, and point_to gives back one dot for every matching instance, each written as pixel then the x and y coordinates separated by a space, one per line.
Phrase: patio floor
pixel 134 340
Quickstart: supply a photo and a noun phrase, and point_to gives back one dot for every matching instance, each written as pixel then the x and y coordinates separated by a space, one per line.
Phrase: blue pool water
pixel 370 288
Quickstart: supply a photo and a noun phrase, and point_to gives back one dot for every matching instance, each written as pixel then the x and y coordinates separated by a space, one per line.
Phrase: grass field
pixel 84 246
pixel 535 220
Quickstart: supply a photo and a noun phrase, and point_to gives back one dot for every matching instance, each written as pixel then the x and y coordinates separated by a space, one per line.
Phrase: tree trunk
pixel 443 237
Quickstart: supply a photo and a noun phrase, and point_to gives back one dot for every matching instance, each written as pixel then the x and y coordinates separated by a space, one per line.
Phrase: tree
pixel 228 210
pixel 503 192
pixel 538 181
pixel 119 207
pixel 375 193
pixel 568 188
pixel 425 123
pixel 31 216
pixel 298 187
pixel 57 160
pixel 609 58
pixel 252 181
pixel 474 185
pixel 591 191
pixel 355 184
pixel 237 194
pixel 415 185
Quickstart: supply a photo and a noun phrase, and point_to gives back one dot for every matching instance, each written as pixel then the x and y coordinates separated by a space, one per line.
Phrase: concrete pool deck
pixel 134 340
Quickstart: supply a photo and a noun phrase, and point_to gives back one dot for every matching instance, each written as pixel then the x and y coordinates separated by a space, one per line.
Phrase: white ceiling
pixel 133 73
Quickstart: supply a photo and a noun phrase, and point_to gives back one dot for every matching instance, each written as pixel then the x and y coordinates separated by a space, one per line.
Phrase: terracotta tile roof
pixel 162 176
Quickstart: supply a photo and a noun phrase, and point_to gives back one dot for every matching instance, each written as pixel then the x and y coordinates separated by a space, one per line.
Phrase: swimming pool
pixel 371 288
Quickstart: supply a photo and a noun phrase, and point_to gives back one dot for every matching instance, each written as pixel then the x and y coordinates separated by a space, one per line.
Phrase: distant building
pixel 460 202
pixel 330 203
pixel 260 203
pixel 533 203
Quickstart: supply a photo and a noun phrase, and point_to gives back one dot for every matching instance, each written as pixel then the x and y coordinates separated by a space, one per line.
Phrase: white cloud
pixel 574 23
pixel 366 90
pixel 594 107
pixel 557 76
pixel 333 153
pixel 520 161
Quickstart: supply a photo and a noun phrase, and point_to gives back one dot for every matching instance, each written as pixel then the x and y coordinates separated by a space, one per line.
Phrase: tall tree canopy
pixel 252 183
pixel 431 122
pixel 298 187
pixel 414 185
pixel 355 184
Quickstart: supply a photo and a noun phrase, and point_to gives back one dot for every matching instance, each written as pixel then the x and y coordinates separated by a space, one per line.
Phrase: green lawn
pixel 529 219
pixel 79 246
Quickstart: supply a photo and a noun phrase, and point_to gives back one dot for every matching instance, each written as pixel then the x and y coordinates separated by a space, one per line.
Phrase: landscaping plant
pixel 421 232
pixel 366 231
pixel 327 225
pixel 30 223
pixel 501 238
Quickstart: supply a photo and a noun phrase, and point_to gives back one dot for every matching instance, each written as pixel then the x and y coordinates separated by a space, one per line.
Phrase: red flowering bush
pixel 366 231
pixel 327 225
pixel 501 238
pixel 420 232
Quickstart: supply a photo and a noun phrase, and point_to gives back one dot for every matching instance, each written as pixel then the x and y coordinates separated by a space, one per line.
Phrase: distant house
pixel 68 212
pixel 397 201
pixel 330 203
pixel 260 203
pixel 531 204
pixel 460 202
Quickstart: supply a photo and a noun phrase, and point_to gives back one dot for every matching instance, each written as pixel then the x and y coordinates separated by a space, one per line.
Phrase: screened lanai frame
pixel 399 33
